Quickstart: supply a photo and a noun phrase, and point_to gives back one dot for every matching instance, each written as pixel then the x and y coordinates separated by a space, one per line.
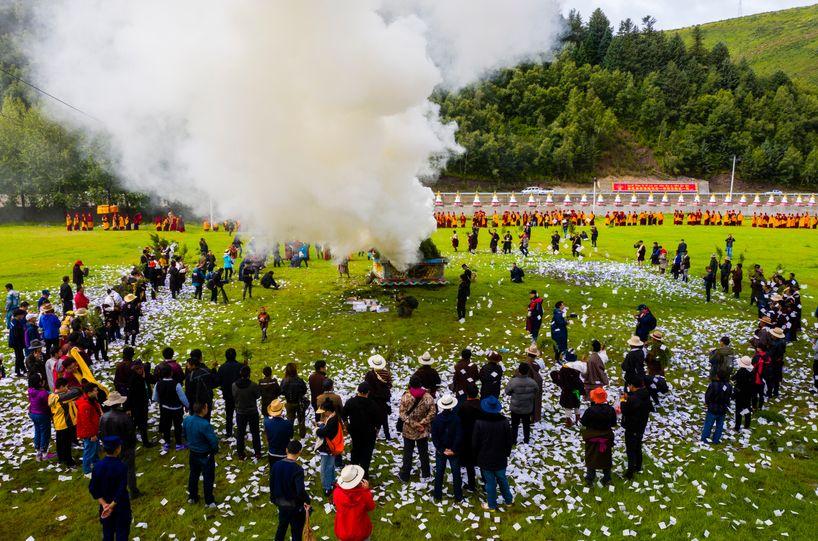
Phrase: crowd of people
pixel 513 218
pixel 461 414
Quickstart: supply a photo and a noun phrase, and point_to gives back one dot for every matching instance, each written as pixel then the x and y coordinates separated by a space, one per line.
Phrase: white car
pixel 536 190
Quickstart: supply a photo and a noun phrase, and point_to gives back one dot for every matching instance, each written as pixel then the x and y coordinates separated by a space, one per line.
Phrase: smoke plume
pixel 306 120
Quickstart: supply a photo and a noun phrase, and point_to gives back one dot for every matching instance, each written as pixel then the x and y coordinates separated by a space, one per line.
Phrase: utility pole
pixel 740 13
pixel 732 177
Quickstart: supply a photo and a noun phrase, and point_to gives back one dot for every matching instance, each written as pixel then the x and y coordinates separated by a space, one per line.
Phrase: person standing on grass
pixel 228 373
pixel 491 376
pixel 294 391
pixel 203 445
pixel 736 276
pixel 247 277
pixel 743 392
pixel 728 245
pixel 523 393
pixel 269 389
pixel 353 503
pixel 12 303
pixel 139 393
pixel 645 322
pixel 379 379
pixel 598 422
pixel 88 413
pixel 34 363
pixel 200 380
pixel 534 316
pixel 17 341
pixel 469 412
pixel 117 422
pixel 109 486
pixel 427 374
pixel 50 324
pixel 279 432
pixel 197 279
pixel 360 414
pixel 263 319
pixel 447 433
pixel 171 399
pixel 492 441
pixel 465 374
pixel 316 384
pixel 559 328
pixel 66 295
pixel 463 290
pixel 62 403
pixel 289 494
pixel 636 407
pixel 330 433
pixel 40 415
pixel 246 395
pixel 717 400
pixel 417 409
pixel 724 277
pixel 533 360
pixel 595 375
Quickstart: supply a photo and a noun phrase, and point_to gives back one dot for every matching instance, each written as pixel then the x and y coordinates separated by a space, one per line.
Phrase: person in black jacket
pixel 139 392
pixel 228 374
pixel 269 389
pixel 360 414
pixel 294 391
pixel 246 395
pixel 491 376
pixel 633 367
pixel 743 392
pixel 717 400
pixel 66 296
pixel 469 412
pixel 429 377
pixel 492 441
pixel 636 407
pixel 463 291
pixel 199 382
pixel 709 282
pixel 77 274
pixel 117 422
pixel 289 493
pixel 447 433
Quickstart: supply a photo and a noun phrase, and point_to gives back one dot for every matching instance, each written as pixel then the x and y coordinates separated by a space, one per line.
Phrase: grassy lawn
pixel 761 485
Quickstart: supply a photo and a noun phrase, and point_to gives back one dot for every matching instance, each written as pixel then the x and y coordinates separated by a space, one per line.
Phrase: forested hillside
pixel 694 107
pixel 781 40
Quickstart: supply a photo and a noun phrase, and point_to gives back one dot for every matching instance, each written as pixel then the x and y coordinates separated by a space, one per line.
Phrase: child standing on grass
pixel 40 415
pixel 263 322
pixel 717 400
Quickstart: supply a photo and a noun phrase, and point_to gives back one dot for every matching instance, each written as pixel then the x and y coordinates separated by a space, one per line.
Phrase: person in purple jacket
pixel 40 415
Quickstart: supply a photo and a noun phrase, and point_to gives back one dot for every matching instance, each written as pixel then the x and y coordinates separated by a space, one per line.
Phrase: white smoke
pixel 305 119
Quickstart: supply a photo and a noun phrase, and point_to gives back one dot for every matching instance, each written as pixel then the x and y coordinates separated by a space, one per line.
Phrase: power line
pixel 52 96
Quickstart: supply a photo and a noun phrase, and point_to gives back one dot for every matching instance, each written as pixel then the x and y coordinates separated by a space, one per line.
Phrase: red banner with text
pixel 655 187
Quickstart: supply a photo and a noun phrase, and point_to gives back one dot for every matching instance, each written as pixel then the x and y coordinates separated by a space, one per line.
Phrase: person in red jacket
pixel 353 502
pixel 88 413
pixel 80 299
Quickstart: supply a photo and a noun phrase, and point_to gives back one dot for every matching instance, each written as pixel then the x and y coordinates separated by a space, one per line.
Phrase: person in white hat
pixel 447 433
pixel 380 390
pixel 743 392
pixel 427 374
pixel 131 311
pixel 353 502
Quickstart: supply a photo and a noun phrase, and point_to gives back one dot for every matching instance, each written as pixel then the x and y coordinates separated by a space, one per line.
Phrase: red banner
pixel 655 187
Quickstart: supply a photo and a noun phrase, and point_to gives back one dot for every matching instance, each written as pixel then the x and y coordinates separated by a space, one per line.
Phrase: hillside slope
pixel 785 40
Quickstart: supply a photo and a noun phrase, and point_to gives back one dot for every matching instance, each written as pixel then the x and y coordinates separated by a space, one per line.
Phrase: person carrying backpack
pixel 331 431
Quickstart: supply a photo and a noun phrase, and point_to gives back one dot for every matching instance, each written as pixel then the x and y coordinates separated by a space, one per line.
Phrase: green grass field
pixel 780 40
pixel 761 486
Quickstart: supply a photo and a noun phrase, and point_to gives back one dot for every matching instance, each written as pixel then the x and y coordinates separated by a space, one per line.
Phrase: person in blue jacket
pixel 203 445
pixel 559 328
pixel 109 486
